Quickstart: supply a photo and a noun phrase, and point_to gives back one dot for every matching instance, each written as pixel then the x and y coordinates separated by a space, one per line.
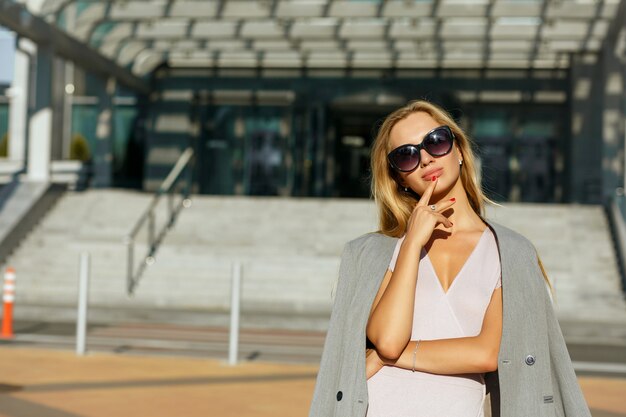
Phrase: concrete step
pixel 290 250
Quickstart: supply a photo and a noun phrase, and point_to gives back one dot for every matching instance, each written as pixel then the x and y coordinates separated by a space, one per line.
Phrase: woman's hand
pixel 423 219
pixel 373 362
pixel 389 325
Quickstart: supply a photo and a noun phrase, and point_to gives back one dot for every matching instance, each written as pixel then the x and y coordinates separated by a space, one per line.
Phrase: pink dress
pixel 399 392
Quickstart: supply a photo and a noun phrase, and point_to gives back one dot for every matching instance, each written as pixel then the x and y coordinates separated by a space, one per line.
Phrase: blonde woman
pixel 418 316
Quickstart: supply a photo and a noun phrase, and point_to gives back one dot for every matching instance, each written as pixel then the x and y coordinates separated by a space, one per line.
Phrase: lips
pixel 436 172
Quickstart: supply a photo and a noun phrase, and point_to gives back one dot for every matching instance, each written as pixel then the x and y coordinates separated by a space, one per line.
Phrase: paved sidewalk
pixel 50 383
pixel 37 382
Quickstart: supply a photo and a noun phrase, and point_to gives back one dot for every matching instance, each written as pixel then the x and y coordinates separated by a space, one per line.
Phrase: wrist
pixel 417 342
pixel 412 243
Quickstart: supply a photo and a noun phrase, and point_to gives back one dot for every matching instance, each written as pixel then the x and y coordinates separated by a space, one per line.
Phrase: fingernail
pixel 453 199
pixel 434 177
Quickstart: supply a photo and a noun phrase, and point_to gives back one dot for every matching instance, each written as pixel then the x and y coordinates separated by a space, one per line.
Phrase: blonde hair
pixel 395 205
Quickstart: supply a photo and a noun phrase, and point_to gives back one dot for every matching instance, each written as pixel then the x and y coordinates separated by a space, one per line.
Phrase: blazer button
pixel 530 360
pixel 339 395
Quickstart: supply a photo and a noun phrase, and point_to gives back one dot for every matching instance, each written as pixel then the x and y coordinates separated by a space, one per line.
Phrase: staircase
pixel 575 246
pixel 290 249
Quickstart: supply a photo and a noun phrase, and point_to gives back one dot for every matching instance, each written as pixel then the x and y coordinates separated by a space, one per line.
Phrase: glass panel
pixel 123 125
pixel 492 124
pixel 264 173
pixel 100 32
pixel 4 129
pixel 81 5
pixel 519 149
pixel 128 151
pixel 538 128
pixel 84 122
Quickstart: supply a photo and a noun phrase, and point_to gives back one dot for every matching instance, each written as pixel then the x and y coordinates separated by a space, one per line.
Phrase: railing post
pixel 151 230
pixel 130 252
pixel 83 293
pixel 170 208
pixel 188 181
pixel 233 344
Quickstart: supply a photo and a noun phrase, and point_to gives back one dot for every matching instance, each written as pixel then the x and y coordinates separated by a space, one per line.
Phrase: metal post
pixel 170 207
pixel 151 231
pixel 130 267
pixel 233 344
pixel 188 181
pixel 83 292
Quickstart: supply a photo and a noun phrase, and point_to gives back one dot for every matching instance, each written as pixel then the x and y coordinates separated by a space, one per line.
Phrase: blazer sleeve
pixel 324 401
pixel 568 396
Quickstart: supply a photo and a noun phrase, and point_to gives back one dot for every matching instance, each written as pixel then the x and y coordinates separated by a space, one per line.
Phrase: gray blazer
pixel 535 376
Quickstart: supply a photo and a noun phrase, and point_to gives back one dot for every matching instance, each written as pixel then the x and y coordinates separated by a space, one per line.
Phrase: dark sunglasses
pixel 437 142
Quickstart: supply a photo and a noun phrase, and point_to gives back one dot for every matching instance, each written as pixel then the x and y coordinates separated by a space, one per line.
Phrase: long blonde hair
pixel 395 205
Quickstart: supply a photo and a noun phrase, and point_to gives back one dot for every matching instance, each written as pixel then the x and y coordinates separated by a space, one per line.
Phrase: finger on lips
pixel 426 196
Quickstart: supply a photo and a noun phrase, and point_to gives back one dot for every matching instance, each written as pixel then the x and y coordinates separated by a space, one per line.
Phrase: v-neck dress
pixel 459 312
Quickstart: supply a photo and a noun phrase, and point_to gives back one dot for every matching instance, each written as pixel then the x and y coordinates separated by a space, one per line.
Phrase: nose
pixel 425 158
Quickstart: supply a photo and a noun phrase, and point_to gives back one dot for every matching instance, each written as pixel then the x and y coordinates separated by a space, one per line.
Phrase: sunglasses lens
pixel 407 158
pixel 438 142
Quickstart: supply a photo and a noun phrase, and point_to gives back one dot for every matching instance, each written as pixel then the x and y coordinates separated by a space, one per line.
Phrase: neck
pixel 461 212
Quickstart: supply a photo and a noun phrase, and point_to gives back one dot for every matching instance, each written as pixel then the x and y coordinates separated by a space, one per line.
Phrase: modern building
pixel 283 97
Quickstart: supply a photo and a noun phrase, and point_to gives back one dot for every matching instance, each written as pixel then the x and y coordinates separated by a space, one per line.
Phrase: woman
pixel 435 325
pixel 443 280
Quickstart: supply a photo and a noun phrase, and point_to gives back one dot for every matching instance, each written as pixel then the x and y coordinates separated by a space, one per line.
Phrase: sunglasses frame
pixel 420 146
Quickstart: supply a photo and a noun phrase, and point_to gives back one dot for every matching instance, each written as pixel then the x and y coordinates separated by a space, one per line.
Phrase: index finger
pixel 425 198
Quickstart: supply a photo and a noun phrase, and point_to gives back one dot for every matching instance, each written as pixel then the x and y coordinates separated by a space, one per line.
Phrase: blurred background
pixel 201 163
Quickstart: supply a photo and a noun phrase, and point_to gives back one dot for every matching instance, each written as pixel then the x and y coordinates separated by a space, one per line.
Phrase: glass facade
pixel 521 151
pixel 318 143
pixel 245 151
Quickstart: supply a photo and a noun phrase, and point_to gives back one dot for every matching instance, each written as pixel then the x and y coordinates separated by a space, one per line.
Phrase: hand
pixel 373 362
pixel 423 219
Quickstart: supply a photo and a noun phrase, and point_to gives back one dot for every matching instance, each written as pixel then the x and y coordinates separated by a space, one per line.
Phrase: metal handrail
pixel 168 186
pixel 616 210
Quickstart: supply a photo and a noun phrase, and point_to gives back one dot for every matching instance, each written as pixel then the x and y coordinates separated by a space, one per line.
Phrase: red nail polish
pixel 453 199
pixel 434 178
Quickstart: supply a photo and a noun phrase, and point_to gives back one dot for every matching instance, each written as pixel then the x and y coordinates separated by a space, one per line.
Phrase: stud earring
pixel 460 162
pixel 406 189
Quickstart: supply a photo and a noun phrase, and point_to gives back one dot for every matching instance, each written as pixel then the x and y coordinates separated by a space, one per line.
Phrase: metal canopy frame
pixel 141 34
pixel 16 17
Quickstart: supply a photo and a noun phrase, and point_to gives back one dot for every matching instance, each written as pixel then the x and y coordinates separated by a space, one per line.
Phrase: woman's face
pixel 412 129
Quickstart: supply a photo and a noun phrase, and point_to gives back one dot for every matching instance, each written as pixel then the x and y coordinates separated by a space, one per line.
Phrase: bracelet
pixel 414 352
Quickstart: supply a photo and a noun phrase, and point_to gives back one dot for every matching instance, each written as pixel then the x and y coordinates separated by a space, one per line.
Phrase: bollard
pixel 233 344
pixel 83 293
pixel 8 298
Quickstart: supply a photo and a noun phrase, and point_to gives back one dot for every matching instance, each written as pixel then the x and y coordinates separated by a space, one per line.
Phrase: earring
pixel 460 162
pixel 406 189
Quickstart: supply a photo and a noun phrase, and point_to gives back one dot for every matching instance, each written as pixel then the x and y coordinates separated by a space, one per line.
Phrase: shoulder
pixel 372 246
pixel 511 241
pixel 369 239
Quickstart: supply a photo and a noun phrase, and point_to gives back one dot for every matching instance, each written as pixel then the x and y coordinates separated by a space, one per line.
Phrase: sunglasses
pixel 437 142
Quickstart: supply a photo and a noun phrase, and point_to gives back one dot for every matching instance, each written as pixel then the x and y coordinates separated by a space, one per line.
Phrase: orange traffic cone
pixel 8 298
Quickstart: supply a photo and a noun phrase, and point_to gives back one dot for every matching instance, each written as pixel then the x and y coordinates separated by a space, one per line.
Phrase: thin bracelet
pixel 414 352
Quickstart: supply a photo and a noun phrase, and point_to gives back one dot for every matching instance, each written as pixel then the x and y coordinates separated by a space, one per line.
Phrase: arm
pixel 458 355
pixel 391 316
